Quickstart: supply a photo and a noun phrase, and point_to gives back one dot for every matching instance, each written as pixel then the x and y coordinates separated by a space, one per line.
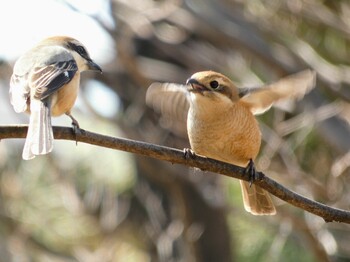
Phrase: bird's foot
pixel 189 153
pixel 76 127
pixel 251 171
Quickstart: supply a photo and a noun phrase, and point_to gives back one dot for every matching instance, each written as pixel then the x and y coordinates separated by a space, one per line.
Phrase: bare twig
pixel 172 155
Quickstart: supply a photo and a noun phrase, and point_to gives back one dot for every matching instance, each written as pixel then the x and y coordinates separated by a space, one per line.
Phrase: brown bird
pixel 45 83
pixel 221 122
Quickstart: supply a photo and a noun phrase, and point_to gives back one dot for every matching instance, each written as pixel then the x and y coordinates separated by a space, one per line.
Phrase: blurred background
pixel 85 203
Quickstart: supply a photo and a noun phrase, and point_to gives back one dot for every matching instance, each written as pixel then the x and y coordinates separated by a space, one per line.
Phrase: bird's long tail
pixel 40 135
pixel 256 200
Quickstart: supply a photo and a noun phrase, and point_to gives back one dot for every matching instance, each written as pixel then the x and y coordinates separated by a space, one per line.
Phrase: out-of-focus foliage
pixel 87 203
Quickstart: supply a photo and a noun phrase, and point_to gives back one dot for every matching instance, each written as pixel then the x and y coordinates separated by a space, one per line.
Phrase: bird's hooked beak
pixel 93 66
pixel 196 86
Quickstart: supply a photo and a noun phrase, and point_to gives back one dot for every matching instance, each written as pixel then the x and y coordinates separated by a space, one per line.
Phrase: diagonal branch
pixel 176 156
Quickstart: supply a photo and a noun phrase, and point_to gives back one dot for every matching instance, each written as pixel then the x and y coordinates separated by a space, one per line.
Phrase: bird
pixel 221 122
pixel 45 83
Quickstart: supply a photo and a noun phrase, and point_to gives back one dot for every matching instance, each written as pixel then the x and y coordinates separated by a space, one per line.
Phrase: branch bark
pixel 176 156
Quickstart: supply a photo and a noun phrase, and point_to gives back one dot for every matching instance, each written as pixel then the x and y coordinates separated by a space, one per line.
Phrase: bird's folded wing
pixel 48 79
pixel 291 87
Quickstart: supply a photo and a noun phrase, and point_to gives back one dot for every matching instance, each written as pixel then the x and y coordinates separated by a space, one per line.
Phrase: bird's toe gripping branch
pixel 189 153
pixel 76 127
pixel 251 172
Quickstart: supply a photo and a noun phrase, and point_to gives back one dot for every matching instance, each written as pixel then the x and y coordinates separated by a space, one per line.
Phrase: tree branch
pixel 172 155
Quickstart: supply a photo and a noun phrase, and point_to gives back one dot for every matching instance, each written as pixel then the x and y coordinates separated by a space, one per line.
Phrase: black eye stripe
pixel 79 49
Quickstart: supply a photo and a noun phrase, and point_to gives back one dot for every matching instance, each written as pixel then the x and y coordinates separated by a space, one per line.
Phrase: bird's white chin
pixel 209 101
pixel 209 97
pixel 81 63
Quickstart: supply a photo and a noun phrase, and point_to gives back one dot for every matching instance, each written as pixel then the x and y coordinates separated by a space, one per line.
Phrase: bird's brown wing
pixel 291 87
pixel 172 102
pixel 169 99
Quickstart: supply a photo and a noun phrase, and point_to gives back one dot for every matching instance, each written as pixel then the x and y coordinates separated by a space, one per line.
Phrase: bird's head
pixel 77 49
pixel 212 85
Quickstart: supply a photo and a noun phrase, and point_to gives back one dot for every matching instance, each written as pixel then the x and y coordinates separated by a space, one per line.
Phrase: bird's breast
pixel 230 135
pixel 64 99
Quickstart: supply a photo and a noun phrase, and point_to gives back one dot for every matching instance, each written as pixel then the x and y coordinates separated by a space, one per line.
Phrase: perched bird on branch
pixel 221 122
pixel 45 83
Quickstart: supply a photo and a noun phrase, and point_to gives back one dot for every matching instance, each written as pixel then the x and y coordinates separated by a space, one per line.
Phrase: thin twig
pixel 172 155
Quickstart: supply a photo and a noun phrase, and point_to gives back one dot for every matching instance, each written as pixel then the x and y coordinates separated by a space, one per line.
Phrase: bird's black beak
pixel 93 66
pixel 196 86
pixel 191 81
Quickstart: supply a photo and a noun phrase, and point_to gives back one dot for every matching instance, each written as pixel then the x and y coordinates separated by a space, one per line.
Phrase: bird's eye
pixel 81 50
pixel 214 84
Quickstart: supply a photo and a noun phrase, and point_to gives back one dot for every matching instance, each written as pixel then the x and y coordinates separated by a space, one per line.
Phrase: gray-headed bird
pixel 45 83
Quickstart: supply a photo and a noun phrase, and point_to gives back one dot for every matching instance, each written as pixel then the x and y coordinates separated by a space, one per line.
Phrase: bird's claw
pixel 76 131
pixel 76 127
pixel 251 172
pixel 189 153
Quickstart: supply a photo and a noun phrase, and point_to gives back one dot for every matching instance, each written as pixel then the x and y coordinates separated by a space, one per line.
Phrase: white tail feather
pixel 40 135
